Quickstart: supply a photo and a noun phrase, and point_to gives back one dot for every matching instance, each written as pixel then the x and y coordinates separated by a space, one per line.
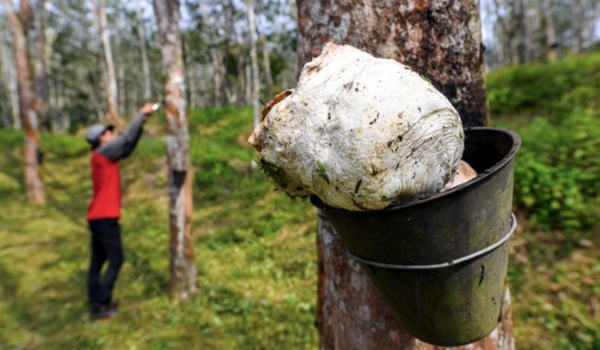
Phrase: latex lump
pixel 359 132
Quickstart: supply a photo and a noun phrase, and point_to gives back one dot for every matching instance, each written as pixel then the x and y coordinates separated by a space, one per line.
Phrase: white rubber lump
pixel 359 132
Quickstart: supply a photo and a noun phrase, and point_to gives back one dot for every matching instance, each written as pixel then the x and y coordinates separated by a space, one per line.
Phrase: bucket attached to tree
pixel 441 262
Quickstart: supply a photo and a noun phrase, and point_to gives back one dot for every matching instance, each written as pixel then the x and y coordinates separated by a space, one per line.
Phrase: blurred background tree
pixel 72 59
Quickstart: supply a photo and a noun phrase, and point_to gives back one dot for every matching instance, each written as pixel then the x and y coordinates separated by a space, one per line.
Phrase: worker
pixel 104 209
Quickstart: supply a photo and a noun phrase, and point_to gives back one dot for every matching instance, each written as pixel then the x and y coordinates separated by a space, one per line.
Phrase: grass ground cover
pixel 254 249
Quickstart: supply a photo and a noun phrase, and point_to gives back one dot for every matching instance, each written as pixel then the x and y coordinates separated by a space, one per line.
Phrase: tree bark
pixel 521 44
pixel 41 58
pixel 27 99
pixel 143 52
pixel 217 56
pixel 551 44
pixel 255 88
pixel 267 69
pixel 109 66
pixel 10 81
pixel 183 266
pixel 439 39
pixel 442 41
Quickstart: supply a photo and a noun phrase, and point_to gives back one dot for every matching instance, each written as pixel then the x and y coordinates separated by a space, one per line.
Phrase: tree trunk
pixel 441 41
pixel 109 66
pixel 10 81
pixel 40 59
pixel 145 66
pixel 551 44
pixel 522 42
pixel 254 63
pixel 183 266
pixel 217 56
pixel 27 100
pixel 267 69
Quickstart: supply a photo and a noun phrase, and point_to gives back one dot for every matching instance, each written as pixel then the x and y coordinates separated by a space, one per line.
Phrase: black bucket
pixel 441 261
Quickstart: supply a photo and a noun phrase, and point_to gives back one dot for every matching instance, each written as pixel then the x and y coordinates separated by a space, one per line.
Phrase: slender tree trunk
pixel 27 99
pixel 189 75
pixel 520 39
pixel 442 41
pixel 267 68
pixel 10 80
pixel 254 61
pixel 109 66
pixel 217 56
pixel 551 44
pixel 243 91
pixel 143 50
pixel 183 266
pixel 40 60
pixel 501 34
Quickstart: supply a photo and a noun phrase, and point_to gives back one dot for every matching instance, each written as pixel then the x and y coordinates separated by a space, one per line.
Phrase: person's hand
pixel 147 109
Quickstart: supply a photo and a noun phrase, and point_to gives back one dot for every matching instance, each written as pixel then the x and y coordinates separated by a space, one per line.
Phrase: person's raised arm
pixel 123 145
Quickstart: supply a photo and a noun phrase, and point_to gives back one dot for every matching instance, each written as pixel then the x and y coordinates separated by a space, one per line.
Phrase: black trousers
pixel 106 245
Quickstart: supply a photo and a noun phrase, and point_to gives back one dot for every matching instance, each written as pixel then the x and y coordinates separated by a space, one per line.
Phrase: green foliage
pixel 555 89
pixel 556 110
pixel 557 179
pixel 218 147
pixel 557 176
pixel 11 138
pixel 64 145
pixel 150 148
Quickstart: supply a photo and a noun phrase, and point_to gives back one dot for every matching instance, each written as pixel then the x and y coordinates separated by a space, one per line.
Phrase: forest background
pixel 255 248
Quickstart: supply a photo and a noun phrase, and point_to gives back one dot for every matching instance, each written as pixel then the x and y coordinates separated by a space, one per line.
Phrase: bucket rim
pixel 318 202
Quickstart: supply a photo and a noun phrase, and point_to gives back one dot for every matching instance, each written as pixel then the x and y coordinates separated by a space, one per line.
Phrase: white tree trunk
pixel 9 74
pixel 143 51
pixel 267 68
pixel 42 53
pixel 183 266
pixel 254 62
pixel 109 66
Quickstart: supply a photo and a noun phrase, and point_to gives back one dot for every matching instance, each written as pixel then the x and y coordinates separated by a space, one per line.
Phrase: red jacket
pixel 106 203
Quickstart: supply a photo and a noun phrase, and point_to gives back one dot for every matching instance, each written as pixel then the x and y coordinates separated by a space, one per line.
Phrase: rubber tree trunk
pixel 109 65
pixel 27 99
pixel 143 51
pixel 267 67
pixel 551 44
pixel 43 49
pixel 183 266
pixel 254 96
pixel 9 77
pixel 442 41
pixel 218 49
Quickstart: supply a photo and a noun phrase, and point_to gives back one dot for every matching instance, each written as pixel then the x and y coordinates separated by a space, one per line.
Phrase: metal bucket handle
pixel 446 264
